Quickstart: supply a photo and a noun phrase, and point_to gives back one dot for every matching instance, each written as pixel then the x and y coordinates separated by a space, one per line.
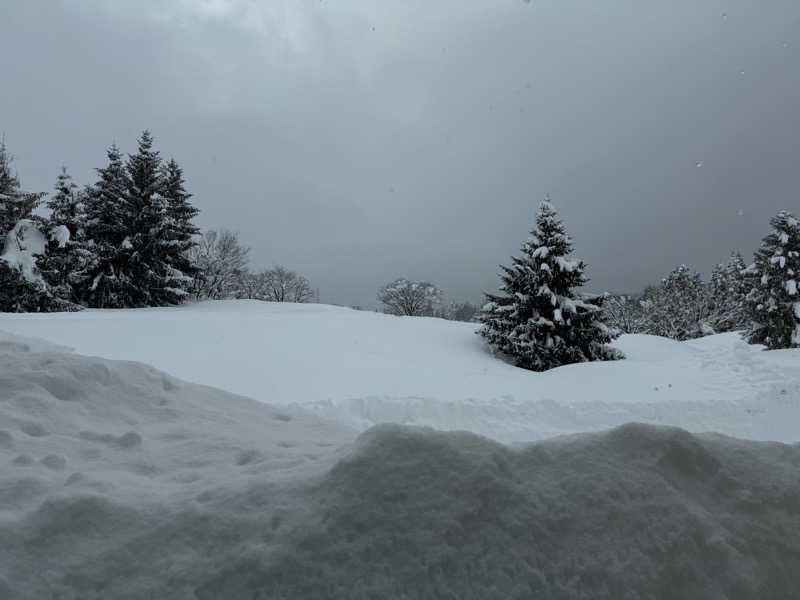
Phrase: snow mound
pixel 636 512
pixel 361 369
pixel 10 343
pixel 119 481
pixel 94 454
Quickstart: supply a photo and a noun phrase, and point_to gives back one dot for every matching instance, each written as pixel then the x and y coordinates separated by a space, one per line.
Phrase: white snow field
pixel 120 481
pixel 363 368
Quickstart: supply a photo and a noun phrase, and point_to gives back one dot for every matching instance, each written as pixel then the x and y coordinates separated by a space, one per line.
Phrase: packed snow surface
pixel 120 481
pixel 362 368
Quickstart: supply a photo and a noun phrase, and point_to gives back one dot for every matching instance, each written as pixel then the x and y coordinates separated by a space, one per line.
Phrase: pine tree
pixel 19 291
pixel 147 251
pixel 14 203
pixel 773 303
pixel 539 319
pixel 66 205
pixel 728 289
pixel 69 257
pixel 107 217
pixel 180 231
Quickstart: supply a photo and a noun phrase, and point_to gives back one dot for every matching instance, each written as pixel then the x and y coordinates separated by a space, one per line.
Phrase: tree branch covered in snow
pixel 538 318
pixel 277 284
pixel 773 304
pixel 410 298
pixel 221 260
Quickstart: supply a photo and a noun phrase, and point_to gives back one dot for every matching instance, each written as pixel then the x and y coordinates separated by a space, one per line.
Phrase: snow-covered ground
pixel 120 481
pixel 363 368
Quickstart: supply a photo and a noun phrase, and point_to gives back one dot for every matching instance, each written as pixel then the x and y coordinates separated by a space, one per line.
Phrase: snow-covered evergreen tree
pixel 21 243
pixel 107 219
pixel 66 205
pixel 180 231
pixel 728 289
pixel 773 303
pixel 145 247
pixel 680 307
pixel 15 204
pixel 22 287
pixel 69 258
pixel 538 318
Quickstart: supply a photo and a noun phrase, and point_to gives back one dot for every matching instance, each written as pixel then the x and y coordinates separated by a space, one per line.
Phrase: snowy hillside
pixel 119 481
pixel 362 368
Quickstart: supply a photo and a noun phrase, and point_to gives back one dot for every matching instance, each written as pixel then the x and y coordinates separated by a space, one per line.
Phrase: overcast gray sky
pixel 359 141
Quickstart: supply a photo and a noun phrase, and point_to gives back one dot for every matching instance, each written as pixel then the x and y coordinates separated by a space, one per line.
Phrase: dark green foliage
pixel 772 304
pixel 123 242
pixel 19 295
pixel 179 231
pixel 728 288
pixel 14 203
pixel 69 258
pixel 107 285
pixel 139 220
pixel 538 318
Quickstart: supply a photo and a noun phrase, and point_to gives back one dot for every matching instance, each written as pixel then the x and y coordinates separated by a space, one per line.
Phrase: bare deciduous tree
pixel 624 313
pixel 277 284
pixel 410 298
pixel 221 261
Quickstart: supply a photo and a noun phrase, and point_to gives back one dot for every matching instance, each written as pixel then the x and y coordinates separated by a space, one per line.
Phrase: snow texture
pixel 120 481
pixel 23 243
pixel 361 369
pixel 60 234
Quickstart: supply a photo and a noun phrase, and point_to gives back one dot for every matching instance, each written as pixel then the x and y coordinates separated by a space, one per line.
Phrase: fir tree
pixel 179 232
pixel 15 204
pixel 539 319
pixel 146 250
pixel 69 257
pixel 728 289
pixel 773 303
pixel 107 219
pixel 66 205
pixel 19 291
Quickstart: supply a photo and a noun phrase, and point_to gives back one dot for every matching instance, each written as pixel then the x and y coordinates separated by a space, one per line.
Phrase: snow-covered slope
pixel 362 368
pixel 119 481
pixel 94 452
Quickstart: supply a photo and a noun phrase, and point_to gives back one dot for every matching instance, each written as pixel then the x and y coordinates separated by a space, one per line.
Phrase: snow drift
pixel 119 481
pixel 361 369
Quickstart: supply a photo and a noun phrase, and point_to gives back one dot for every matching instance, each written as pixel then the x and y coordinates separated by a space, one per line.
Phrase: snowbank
pixel 94 454
pixel 119 481
pixel 362 368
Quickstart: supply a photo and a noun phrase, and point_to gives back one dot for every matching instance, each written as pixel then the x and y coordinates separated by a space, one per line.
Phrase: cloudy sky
pixel 359 141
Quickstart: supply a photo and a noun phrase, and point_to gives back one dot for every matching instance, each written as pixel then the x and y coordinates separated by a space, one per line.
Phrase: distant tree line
pixel 128 240
pixel 403 297
pixel 683 306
